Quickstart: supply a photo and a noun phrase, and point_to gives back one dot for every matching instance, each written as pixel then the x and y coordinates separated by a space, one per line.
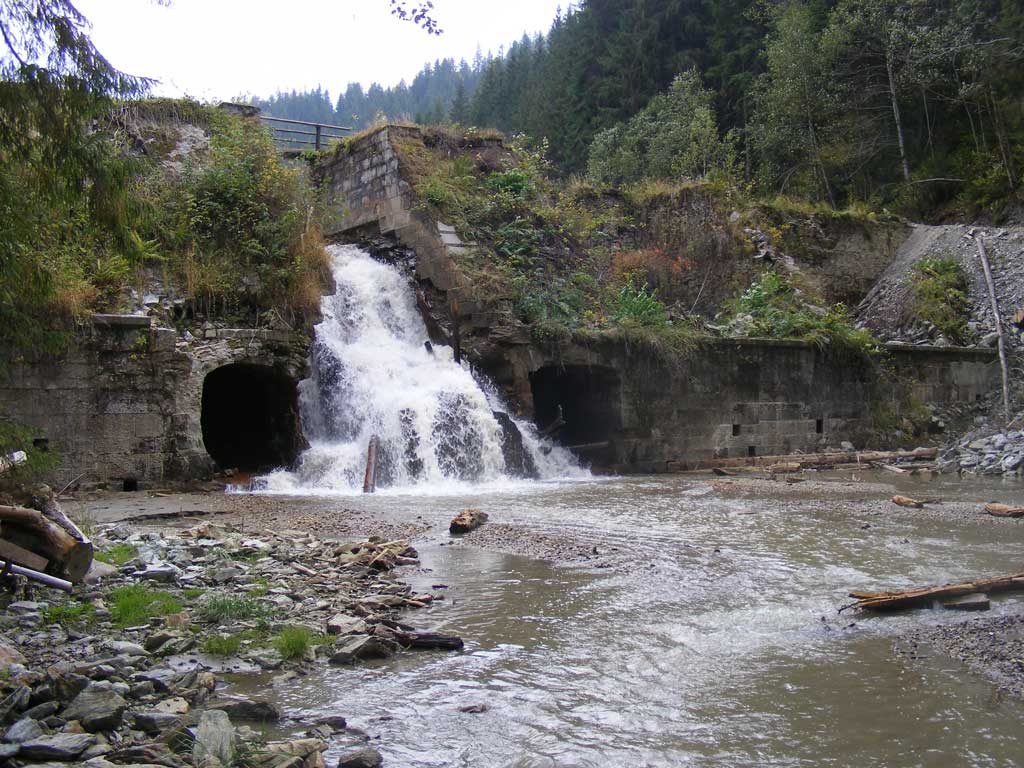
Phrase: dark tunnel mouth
pixel 589 396
pixel 250 417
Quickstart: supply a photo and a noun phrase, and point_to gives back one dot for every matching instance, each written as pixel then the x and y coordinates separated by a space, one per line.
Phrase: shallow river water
pixel 717 644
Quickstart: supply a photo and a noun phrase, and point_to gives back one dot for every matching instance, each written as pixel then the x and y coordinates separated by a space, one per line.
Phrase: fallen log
pixel 805 460
pixel 467 520
pixel 429 641
pixel 906 501
pixel 1003 510
pixel 912 598
pixel 49 535
pixel 783 467
pixel 370 478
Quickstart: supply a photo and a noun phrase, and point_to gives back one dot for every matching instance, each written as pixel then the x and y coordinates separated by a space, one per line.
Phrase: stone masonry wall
pixel 124 402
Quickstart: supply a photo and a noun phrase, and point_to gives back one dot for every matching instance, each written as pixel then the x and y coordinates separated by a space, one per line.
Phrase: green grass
pixel 222 645
pixel 293 642
pixel 118 554
pixel 939 289
pixel 136 604
pixel 71 615
pixel 193 593
pixel 221 608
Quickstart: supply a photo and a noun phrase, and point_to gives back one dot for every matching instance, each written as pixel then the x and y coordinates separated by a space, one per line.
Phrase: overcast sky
pixel 218 49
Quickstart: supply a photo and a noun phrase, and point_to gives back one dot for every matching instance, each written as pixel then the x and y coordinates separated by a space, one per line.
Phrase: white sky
pixel 218 49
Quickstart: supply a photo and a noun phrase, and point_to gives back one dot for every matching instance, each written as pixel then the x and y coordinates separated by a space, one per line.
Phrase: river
pixel 703 632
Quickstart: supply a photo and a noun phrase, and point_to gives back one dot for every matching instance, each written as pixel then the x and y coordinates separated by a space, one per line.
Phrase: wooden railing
pixel 299 134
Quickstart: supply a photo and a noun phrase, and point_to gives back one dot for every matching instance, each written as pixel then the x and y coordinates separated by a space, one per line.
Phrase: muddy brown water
pixel 718 643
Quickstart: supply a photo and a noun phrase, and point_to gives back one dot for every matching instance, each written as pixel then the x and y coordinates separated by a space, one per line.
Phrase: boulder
pixel 9 655
pixel 343 624
pixel 97 708
pixel 155 722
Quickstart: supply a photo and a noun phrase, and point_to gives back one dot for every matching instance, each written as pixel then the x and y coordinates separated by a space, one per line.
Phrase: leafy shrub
pixel 638 306
pixel 939 289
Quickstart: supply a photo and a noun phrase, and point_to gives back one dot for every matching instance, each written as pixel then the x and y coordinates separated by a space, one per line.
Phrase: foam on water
pixel 373 375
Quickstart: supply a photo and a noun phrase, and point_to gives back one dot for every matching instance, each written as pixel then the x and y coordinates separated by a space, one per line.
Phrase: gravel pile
pixel 986 452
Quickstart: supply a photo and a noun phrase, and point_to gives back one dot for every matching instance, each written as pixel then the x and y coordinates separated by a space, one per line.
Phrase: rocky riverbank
pixel 129 668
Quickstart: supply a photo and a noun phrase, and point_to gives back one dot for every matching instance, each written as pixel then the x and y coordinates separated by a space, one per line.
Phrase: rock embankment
pixel 987 452
pixel 887 309
pixel 127 670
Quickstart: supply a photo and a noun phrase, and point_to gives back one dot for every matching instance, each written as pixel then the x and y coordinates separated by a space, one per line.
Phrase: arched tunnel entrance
pixel 589 397
pixel 250 417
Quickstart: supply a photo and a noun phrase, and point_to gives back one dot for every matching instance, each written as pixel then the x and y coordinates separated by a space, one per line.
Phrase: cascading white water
pixel 374 375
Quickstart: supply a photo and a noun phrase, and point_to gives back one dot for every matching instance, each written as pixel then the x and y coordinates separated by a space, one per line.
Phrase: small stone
pixel 99 571
pixel 363 647
pixel 362 758
pixel 97 708
pixel 25 729
pixel 163 572
pixel 155 722
pixel 23 607
pixel 215 738
pixel 60 746
pixel 173 706
pixel 343 624
pixel 248 709
pixel 122 647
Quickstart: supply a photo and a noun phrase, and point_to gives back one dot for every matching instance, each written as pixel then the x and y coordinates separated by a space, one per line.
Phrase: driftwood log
pixel 1003 510
pixel 45 541
pixel 804 460
pixel 924 596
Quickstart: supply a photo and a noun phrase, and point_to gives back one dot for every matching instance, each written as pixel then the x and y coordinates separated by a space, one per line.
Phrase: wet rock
pixel 155 722
pixel 343 624
pixel 25 729
pixel 364 647
pixel 121 647
pixel 248 709
pixel 9 655
pixel 60 746
pixel 467 520
pixel 362 758
pixel 99 571
pixel 215 737
pixel 475 709
pixel 97 708
pixel 23 607
pixel 9 750
pixel 16 701
pixel 174 706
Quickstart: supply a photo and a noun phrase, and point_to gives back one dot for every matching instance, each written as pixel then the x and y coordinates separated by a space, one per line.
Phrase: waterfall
pixel 373 374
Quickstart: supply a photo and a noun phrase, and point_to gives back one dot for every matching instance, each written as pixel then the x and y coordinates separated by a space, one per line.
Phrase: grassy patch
pixel 293 642
pixel 939 289
pixel 221 608
pixel 222 645
pixel 192 593
pixel 136 604
pixel 18 437
pixel 118 554
pixel 70 615
pixel 772 307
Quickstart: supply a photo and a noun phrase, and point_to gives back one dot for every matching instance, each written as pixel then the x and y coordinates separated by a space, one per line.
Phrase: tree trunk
pixel 821 165
pixel 51 536
pixel 896 116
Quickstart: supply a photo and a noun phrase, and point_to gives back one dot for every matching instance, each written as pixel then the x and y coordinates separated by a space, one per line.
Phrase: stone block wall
pixel 124 402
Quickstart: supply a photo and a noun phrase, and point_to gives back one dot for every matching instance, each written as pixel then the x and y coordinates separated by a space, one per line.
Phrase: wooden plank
pixel 976 601
pixel 11 551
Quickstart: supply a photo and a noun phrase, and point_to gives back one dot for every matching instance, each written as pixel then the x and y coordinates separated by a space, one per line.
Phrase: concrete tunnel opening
pixel 250 417
pixel 588 397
